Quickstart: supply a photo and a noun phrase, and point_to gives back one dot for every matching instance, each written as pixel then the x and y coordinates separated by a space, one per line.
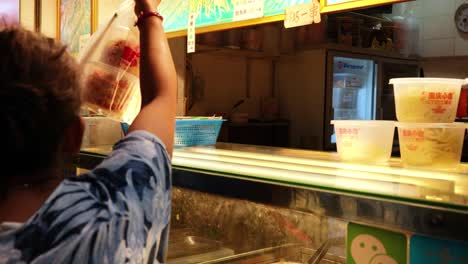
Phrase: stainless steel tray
pixel 187 249
pixel 286 253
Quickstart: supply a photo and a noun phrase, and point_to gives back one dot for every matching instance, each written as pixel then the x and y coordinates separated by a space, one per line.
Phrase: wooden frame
pixel 93 5
pixel 37 15
pixel 353 4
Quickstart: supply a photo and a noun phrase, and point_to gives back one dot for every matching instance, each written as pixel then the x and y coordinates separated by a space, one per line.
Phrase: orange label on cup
pixel 347 131
pixel 440 100
pixel 411 147
pixel 414 134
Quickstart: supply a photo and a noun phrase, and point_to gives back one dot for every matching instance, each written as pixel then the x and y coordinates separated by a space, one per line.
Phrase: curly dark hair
pixel 39 98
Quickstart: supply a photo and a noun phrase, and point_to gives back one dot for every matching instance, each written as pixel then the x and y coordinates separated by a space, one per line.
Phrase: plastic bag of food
pixel 110 62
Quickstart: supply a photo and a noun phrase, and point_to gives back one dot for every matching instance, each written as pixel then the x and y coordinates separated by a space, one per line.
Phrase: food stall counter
pixel 323 171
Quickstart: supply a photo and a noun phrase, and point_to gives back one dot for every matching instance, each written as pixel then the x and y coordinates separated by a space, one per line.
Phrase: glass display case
pixel 249 204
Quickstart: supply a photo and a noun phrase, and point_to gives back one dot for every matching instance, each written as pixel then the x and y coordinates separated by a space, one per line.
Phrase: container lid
pixel 426 80
pixel 431 125
pixel 363 122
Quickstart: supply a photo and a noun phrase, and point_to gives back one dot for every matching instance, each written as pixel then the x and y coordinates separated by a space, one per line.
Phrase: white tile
pixel 437 27
pixel 415 8
pixel 437 7
pixel 461 45
pixel 398 9
pixel 407 8
pixel 438 47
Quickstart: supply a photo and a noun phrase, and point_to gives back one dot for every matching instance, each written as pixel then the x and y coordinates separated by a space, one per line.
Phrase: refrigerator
pixel 319 85
pixel 353 89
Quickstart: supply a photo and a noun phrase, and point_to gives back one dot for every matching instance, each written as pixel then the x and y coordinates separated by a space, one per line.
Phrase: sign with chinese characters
pixel 217 13
pixel 191 27
pixel 248 9
pixel 301 15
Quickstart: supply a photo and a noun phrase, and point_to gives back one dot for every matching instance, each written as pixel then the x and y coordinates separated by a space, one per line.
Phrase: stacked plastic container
pixel 110 62
pixel 428 137
pixel 364 141
pixel 426 110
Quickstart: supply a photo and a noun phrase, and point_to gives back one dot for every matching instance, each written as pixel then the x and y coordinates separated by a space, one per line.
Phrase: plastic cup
pixel 431 145
pixel 426 100
pixel 364 141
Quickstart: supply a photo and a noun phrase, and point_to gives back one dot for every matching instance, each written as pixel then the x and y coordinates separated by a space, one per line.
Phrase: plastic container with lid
pixel 431 145
pixel 364 141
pixel 426 100
pixel 110 91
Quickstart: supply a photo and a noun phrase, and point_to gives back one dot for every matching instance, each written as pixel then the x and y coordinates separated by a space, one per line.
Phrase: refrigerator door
pixel 351 90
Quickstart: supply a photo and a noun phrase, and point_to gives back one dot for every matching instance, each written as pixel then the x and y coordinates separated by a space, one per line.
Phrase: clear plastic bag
pixel 110 62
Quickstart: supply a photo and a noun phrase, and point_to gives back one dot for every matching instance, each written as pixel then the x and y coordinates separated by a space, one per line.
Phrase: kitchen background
pixel 266 79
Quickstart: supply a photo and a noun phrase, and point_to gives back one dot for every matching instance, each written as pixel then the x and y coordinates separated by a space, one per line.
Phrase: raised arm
pixel 158 78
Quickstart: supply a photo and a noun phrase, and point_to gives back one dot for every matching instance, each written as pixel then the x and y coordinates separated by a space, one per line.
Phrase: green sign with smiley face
pixel 370 245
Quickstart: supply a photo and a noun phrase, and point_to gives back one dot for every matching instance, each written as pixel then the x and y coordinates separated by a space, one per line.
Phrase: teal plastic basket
pixel 196 132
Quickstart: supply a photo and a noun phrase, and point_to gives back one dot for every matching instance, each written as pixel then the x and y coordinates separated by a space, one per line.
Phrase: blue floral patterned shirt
pixel 117 213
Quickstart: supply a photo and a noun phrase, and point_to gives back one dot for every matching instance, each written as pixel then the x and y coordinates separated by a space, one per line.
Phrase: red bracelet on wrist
pixel 144 15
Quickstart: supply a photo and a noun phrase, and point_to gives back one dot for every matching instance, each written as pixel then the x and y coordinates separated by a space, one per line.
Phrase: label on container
pixel 347 131
pixel 439 100
pixel 412 135
pixel 248 9
pixel 370 245
pixel 430 250
pixel 347 136
pixel 301 15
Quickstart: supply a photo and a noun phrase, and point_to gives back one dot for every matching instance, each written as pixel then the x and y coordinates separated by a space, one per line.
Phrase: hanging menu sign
pixel 248 9
pixel 217 12
pixel 191 27
pixel 301 15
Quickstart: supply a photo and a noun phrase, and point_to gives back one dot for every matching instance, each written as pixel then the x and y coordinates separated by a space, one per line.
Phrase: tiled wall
pixel 438 35
pixel 454 67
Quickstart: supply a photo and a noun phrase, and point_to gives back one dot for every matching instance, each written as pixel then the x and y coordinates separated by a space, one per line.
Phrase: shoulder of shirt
pixel 145 135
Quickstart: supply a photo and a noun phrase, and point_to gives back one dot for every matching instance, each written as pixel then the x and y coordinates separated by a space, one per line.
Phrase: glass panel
pixel 205 228
pixel 323 170
pixel 353 89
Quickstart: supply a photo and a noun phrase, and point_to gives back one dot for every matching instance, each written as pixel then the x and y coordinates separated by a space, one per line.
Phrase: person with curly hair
pixel 120 211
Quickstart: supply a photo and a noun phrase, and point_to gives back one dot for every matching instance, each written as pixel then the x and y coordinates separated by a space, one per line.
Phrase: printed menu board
pixel 214 12
pixel 217 12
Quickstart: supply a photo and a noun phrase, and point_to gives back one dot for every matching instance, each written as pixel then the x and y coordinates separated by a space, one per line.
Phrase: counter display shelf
pixel 260 201
pixel 323 171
